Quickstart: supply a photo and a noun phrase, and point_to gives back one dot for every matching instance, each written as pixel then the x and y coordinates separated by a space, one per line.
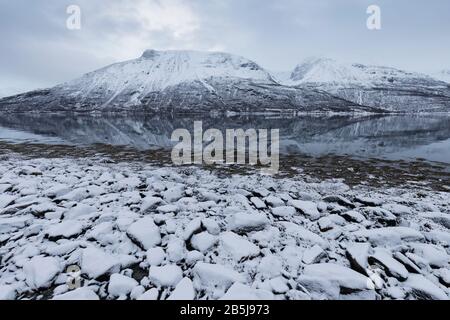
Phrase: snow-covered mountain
pixel 179 81
pixel 377 86
pixel 443 75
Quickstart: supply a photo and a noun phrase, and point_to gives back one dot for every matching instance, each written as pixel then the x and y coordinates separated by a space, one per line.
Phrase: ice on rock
pixel 247 222
pixel 390 235
pixel 418 261
pixel 320 288
pixel 7 292
pixel 203 241
pixel 6 200
pixel 438 237
pixel 283 211
pixel 343 276
pixel 369 201
pixel 57 190
pixel 173 194
pixel 313 254
pixel 176 250
pixel 120 285
pixel 438 217
pixel 150 202
pixel 168 208
pixel 238 247
pixel 78 294
pixel 279 285
pixel 422 288
pixel 304 234
pixel 80 210
pixel 145 233
pixel 435 256
pixel 397 209
pixel 155 256
pixel 258 203
pixel 150 295
pixel 239 291
pixel 339 200
pixel 270 266
pixel 409 265
pixel 66 229
pixel 80 194
pixel 192 227
pixel 211 226
pixel 274 201
pixel 325 224
pixel 381 215
pixel 165 276
pixel 96 262
pixel 358 255
pixel 41 271
pixel 193 257
pixel 13 223
pixel 308 208
pixel 137 292
pixel 183 291
pixel 353 216
pixel 444 276
pixel 392 267
pixel 215 276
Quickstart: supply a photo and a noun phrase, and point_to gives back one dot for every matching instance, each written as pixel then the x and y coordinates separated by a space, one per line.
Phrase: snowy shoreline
pixel 145 232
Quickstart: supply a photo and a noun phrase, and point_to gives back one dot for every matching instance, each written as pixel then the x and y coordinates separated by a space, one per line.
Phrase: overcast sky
pixel 37 50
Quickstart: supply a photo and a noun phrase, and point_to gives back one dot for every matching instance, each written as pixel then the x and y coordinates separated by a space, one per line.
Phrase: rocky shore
pixel 82 229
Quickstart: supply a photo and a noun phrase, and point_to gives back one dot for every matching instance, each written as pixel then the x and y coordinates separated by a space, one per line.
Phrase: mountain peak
pixel 149 54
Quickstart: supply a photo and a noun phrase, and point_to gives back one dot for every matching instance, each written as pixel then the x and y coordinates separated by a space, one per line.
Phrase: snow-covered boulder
pixel 150 295
pixel 215 276
pixel 308 208
pixel 247 222
pixel 422 288
pixel 7 292
pixel 120 285
pixel 203 241
pixel 96 262
pixel 313 255
pixel 78 294
pixel 358 255
pixel 79 211
pixel 165 276
pixel 183 291
pixel 343 276
pixel 145 233
pixel 238 247
pixel 390 235
pixel 239 291
pixel 392 267
pixel 283 211
pixel 41 271
pixel 65 229
pixel 155 256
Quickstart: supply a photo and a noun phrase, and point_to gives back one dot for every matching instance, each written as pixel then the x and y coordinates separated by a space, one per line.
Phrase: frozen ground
pixel 142 232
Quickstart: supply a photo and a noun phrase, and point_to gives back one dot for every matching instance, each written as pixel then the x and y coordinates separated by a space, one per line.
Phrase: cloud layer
pixel 38 50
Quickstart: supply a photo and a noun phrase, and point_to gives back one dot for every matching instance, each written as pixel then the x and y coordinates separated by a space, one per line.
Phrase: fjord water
pixel 398 137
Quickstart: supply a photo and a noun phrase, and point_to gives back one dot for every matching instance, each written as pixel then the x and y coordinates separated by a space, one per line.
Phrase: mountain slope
pixel 179 81
pixel 375 86
pixel 443 75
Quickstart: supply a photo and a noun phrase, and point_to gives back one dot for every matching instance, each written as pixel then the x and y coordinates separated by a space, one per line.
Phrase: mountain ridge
pixel 185 81
pixel 375 86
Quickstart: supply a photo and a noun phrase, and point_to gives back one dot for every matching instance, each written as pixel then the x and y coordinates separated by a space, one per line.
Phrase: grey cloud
pixel 37 49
